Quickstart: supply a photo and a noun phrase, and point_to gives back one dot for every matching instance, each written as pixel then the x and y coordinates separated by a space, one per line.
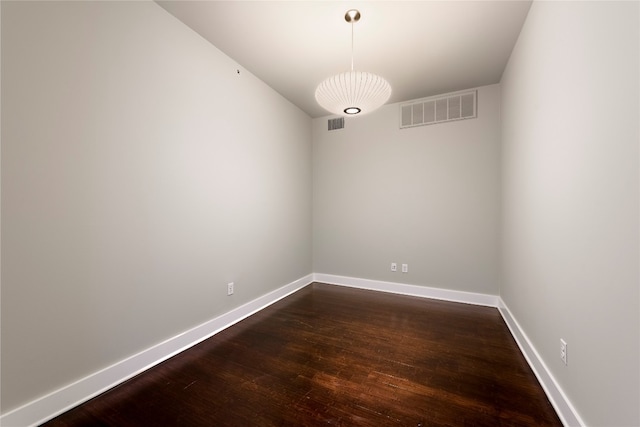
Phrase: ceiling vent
pixel 335 124
pixel 438 109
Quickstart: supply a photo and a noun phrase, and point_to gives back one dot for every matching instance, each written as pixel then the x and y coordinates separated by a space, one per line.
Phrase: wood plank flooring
pixel 330 355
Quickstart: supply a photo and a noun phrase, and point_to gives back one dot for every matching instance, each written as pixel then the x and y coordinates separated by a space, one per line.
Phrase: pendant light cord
pixel 352 23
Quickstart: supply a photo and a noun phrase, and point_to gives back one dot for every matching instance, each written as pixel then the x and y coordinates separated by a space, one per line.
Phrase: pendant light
pixel 353 92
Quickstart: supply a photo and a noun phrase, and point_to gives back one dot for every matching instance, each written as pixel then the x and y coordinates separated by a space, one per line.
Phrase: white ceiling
pixel 422 48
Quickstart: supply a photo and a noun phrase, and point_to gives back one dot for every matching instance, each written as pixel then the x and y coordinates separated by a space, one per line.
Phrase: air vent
pixel 335 124
pixel 438 109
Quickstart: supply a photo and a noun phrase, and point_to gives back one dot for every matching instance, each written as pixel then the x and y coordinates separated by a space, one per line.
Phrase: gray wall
pixel 570 112
pixel 140 173
pixel 427 196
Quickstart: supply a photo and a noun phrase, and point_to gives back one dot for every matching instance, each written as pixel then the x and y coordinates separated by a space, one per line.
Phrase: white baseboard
pixel 565 410
pixel 413 290
pixel 59 401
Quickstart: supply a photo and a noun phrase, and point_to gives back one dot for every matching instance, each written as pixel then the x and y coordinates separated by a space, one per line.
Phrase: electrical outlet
pixel 405 268
pixel 394 266
pixel 230 288
pixel 563 350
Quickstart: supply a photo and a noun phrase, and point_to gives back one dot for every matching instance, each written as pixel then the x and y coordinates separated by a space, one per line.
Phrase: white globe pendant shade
pixel 353 92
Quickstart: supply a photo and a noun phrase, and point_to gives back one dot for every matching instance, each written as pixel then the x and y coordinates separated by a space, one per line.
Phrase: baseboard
pixel 59 401
pixel 567 413
pixel 413 290
pixel 565 410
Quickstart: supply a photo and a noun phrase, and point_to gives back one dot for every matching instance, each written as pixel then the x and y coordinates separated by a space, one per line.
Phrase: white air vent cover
pixel 334 124
pixel 438 109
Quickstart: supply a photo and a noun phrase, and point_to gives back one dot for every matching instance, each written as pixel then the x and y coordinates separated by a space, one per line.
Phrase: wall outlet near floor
pixel 563 350
pixel 230 287
pixel 394 266
pixel 405 268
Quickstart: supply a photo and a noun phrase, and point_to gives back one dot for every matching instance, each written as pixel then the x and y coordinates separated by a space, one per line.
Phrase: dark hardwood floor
pixel 330 355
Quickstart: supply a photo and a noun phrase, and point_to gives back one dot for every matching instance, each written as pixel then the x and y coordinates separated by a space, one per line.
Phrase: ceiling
pixel 422 48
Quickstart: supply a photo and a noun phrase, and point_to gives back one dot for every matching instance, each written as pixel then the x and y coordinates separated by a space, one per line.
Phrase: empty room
pixel 306 213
